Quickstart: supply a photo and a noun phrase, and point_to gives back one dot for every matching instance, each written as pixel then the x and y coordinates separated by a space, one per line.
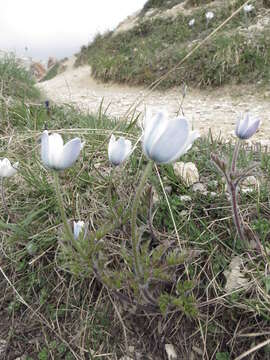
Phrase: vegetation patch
pixel 237 54
pixel 160 4
pixel 15 81
pixel 200 287
pixel 52 72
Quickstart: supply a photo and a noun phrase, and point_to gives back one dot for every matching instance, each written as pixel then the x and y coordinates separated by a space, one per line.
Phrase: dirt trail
pixel 217 109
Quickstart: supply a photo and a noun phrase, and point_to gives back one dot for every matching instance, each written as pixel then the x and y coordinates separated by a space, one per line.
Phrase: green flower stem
pixel 61 207
pixel 134 211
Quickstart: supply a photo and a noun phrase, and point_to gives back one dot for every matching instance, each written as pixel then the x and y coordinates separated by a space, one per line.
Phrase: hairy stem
pixel 134 211
pixel 236 214
pixel 4 199
pixel 67 228
pixel 235 156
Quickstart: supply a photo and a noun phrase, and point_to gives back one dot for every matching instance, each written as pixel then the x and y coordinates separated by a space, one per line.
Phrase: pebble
pixel 200 187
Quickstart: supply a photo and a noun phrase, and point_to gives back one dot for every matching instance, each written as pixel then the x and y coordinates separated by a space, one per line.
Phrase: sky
pixel 58 28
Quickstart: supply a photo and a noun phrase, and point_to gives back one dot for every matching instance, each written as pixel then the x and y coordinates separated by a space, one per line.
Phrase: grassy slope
pixel 146 52
pixel 65 309
pixel 16 82
pixel 52 72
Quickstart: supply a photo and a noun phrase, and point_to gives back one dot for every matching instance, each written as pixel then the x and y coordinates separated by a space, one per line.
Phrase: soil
pixel 216 109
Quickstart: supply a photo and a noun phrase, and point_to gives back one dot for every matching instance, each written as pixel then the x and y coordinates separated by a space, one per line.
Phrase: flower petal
pixel 111 146
pixel 128 149
pixel 45 148
pixel 192 137
pixel 172 143
pixel 56 146
pixel 69 154
pixel 117 151
pixel 154 128
pixel 77 228
pixel 242 125
pixel 245 128
pixel 250 131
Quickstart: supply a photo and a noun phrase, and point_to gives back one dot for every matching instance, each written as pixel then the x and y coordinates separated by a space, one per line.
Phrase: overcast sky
pixel 58 27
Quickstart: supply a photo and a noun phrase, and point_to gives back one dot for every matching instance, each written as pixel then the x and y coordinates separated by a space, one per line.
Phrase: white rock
pixel 3 345
pixel 247 190
pixel 200 187
pixel 188 172
pixel 250 181
pixel 171 353
pixel 235 276
pixel 155 197
pixel 249 184
pixel 185 198
pixel 168 189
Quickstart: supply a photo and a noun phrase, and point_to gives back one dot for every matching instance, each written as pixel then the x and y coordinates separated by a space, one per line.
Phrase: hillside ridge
pixel 149 43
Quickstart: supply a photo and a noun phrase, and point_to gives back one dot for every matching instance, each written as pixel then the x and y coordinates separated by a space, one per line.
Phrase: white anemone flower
pixel 191 22
pixel 57 156
pixel 77 228
pixel 6 169
pixel 246 127
pixel 209 15
pixel 248 8
pixel 165 140
pixel 118 150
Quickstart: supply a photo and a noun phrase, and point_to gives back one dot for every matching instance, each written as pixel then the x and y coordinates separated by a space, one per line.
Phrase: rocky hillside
pixel 150 43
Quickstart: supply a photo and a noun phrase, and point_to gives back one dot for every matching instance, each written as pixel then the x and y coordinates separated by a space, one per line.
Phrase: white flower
pixel 248 8
pixel 191 22
pixel 118 150
pixel 246 127
pixel 209 15
pixel 77 228
pixel 55 155
pixel 6 169
pixel 165 140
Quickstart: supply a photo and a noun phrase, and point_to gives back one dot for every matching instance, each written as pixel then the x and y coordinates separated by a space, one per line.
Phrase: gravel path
pixel 216 109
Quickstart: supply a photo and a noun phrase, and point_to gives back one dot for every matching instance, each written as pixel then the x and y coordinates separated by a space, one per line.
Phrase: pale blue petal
pixel 6 169
pixel 153 130
pixel 111 146
pixel 172 142
pixel 45 148
pixel 242 126
pixel 251 130
pixel 192 137
pixel 70 154
pixel 56 146
pixel 117 151
pixel 128 149
pixel 77 228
